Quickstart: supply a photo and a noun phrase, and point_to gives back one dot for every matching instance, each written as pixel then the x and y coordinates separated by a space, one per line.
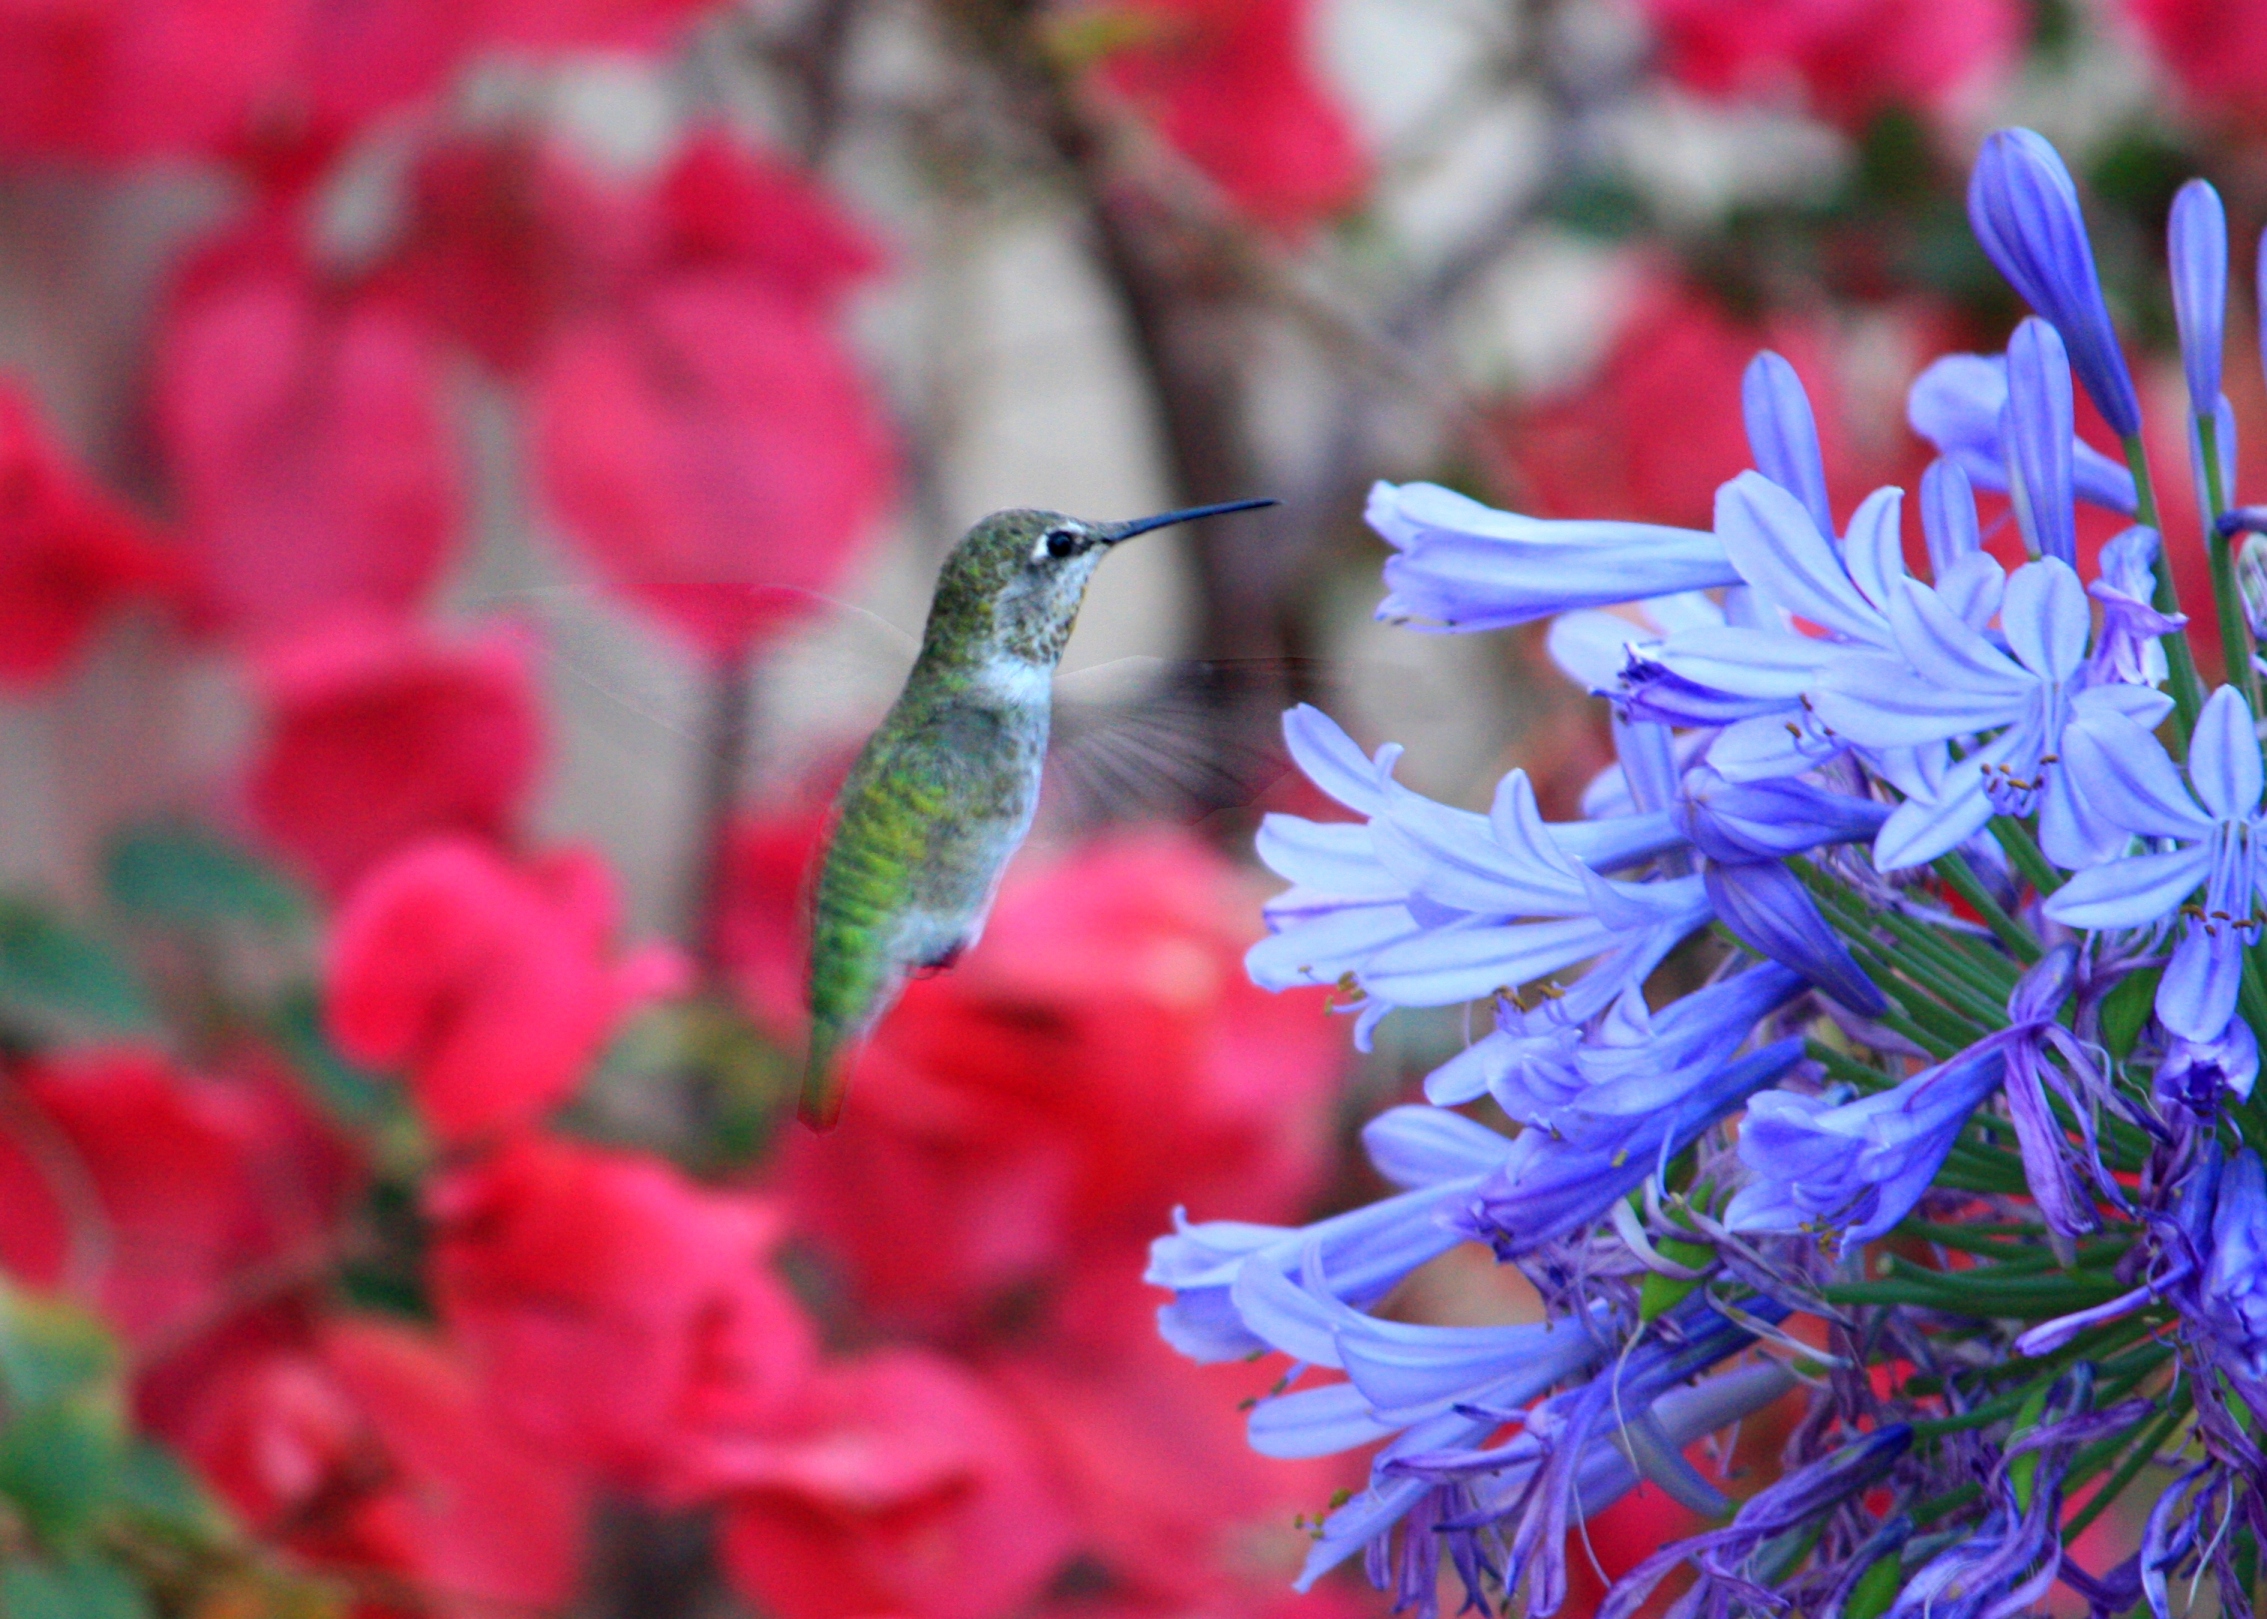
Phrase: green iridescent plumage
pixel 945 789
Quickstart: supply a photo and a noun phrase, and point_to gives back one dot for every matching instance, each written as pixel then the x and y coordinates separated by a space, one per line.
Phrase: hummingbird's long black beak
pixel 1112 533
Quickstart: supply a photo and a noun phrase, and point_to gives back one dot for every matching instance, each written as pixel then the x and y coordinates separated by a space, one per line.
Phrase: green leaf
pixel 90 1589
pixel 59 1463
pixel 355 1094
pixel 49 969
pixel 2125 1011
pixel 158 1490
pixel 185 874
pixel 1658 1294
pixel 50 1350
pixel 1876 1589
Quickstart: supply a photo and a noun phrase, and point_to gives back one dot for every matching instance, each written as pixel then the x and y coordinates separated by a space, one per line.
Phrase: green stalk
pixel 1944 1002
pixel 2188 690
pixel 1850 917
pixel 2235 632
pixel 1954 870
pixel 1997 974
pixel 2023 853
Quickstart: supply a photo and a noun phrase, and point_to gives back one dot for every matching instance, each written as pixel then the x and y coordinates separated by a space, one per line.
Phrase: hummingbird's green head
pixel 1014 583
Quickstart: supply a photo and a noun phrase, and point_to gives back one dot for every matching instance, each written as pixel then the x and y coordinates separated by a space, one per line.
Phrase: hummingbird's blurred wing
pixel 642 698
pixel 1167 739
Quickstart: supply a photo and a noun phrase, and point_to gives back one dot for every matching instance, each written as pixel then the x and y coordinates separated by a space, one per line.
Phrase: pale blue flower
pixel 2037 432
pixel 1440 1158
pixel 1857 1165
pixel 1548 1188
pixel 1782 434
pixel 1948 681
pixel 1465 566
pixel 2213 824
pixel 2196 243
pixel 1957 402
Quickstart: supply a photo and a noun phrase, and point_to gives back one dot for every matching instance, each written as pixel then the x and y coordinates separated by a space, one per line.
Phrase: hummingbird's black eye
pixel 1063 542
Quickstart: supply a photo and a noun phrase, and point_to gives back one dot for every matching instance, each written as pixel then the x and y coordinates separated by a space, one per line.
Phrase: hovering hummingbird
pixel 944 791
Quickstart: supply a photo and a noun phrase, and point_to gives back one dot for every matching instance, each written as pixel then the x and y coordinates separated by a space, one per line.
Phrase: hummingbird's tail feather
pixel 821 1105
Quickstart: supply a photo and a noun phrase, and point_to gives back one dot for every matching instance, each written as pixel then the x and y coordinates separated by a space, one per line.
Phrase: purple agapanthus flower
pixel 2232 1290
pixel 1546 1188
pixel 1465 566
pixel 2024 209
pixel 2214 823
pixel 1858 1164
pixel 2196 242
pixel 1947 680
pixel 1957 404
pixel 1895 904
pixel 2038 434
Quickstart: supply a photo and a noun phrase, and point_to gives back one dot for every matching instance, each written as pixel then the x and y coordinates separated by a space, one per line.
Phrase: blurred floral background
pixel 469 475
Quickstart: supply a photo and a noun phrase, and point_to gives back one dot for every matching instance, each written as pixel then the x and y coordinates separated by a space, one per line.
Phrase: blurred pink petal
pixel 910 1490
pixel 68 552
pixel 371 1450
pixel 1842 59
pixel 152 1190
pixel 494 988
pixel 307 436
pixel 618 1313
pixel 379 734
pixel 1233 84
pixel 710 446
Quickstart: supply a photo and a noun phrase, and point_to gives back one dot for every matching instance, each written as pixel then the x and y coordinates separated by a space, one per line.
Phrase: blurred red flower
pixel 616 1312
pixel 135 78
pixel 68 552
pixel 1100 1057
pixel 379 734
pixel 308 440
pixel 372 1451
pixel 1150 1448
pixel 259 79
pixel 909 1489
pixel 493 985
pixel 2215 49
pixel 702 434
pixel 507 233
pixel 1232 84
pixel 1842 59
pixel 153 1192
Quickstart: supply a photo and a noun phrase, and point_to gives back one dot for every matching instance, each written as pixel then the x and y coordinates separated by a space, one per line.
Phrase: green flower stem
pixel 2188 690
pixel 1954 870
pixel 2235 632
pixel 1941 972
pixel 2023 853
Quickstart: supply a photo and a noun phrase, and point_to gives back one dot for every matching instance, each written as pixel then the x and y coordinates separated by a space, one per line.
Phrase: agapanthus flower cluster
pixel 1881 1038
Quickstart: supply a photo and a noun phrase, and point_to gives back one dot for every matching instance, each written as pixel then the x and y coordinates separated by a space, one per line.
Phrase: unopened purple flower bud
pixel 1948 515
pixel 2196 240
pixel 2194 1073
pixel 2024 208
pixel 2038 436
pixel 1782 434
pixel 2251 582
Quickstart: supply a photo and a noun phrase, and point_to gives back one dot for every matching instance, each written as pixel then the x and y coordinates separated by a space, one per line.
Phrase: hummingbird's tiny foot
pixel 942 963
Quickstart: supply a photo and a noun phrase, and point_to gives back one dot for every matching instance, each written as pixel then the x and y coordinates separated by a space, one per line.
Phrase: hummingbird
pixel 945 789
